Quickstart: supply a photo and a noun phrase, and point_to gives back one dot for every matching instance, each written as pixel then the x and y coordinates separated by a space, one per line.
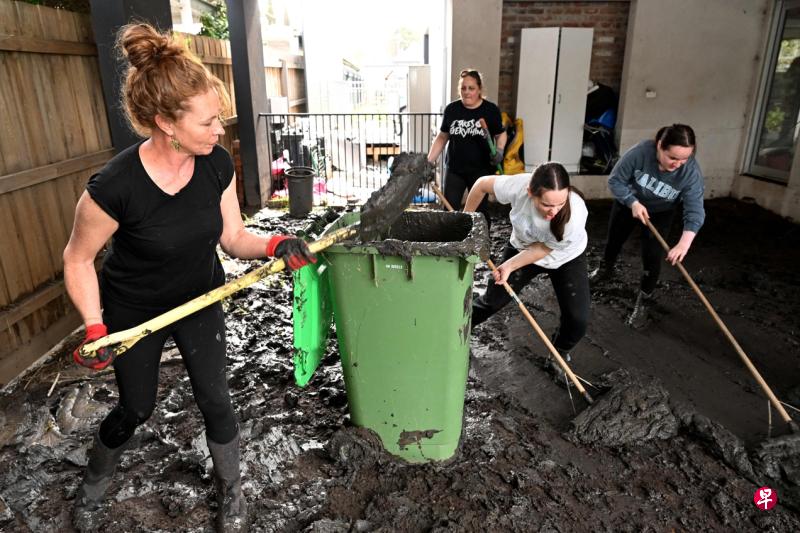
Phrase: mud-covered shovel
pixel 409 173
pixel 746 360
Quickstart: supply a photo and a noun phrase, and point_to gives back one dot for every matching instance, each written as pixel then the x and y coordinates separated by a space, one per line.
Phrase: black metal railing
pixel 350 153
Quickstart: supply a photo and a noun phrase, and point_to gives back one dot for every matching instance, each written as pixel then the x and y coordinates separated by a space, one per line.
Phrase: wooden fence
pixel 54 135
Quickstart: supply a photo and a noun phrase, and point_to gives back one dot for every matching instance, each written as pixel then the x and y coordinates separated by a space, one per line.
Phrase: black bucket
pixel 301 191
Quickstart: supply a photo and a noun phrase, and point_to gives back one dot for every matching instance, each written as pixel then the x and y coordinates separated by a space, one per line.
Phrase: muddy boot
pixel 640 314
pixel 89 500
pixel 232 512
pixel 603 273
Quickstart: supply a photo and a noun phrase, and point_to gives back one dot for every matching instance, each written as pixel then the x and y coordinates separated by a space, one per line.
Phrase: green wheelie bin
pixel 402 308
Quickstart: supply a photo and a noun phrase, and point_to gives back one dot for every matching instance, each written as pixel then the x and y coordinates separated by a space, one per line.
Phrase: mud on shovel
pixel 542 335
pixel 408 173
pixel 746 360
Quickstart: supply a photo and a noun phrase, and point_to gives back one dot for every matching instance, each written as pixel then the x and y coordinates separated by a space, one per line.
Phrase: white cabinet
pixel 551 93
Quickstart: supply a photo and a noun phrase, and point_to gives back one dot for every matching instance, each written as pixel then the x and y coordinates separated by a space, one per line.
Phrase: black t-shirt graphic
pixel 164 251
pixel 467 149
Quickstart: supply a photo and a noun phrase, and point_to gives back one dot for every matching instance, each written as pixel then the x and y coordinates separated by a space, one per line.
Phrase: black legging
pixel 200 338
pixel 454 187
pixel 621 224
pixel 571 285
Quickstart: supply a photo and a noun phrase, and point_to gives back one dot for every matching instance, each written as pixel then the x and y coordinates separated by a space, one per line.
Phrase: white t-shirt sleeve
pixel 508 187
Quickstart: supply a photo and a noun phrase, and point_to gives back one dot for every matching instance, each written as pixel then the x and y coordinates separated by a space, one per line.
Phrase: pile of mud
pixel 657 451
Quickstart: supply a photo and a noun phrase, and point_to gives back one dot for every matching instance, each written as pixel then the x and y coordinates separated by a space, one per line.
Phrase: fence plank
pixel 79 87
pixel 70 119
pixel 28 22
pixel 8 17
pixel 14 143
pixel 32 125
pixel 22 43
pixel 55 236
pixel 97 102
pixel 43 296
pixel 26 212
pixel 50 77
pixel 27 178
pixel 26 354
pixel 66 197
pixel 15 265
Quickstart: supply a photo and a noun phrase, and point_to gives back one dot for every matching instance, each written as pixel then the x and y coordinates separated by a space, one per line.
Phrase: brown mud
pixel 676 440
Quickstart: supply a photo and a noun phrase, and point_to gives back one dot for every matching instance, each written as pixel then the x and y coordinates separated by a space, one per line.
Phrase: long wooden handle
pixel 557 356
pixel 118 343
pixel 772 398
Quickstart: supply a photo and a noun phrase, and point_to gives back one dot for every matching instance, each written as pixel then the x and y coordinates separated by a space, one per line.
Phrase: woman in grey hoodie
pixel 649 182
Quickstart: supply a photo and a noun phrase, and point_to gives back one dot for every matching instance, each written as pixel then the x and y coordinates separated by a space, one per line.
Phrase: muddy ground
pixel 676 440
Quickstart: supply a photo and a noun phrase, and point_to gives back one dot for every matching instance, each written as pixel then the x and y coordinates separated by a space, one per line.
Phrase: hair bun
pixel 141 44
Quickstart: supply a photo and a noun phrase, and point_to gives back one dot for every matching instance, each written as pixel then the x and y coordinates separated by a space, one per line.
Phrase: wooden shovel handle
pixel 772 398
pixel 119 342
pixel 557 356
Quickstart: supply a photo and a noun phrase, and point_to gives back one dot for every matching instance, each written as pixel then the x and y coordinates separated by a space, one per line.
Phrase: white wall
pixel 702 59
pixel 323 62
pixel 475 42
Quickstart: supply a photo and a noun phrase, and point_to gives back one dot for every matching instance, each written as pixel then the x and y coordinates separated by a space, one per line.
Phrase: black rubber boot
pixel 232 513
pixel 91 494
pixel 640 314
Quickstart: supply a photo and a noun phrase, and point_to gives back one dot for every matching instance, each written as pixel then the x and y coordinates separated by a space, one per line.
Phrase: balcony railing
pixel 349 153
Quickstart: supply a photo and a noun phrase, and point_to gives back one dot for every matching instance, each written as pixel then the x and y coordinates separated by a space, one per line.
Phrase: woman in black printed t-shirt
pixel 468 156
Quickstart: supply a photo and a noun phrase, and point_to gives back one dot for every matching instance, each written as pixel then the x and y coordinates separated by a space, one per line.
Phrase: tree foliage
pixel 215 24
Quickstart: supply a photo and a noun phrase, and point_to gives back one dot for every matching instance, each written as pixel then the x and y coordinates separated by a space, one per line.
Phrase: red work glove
pixel 103 359
pixel 293 251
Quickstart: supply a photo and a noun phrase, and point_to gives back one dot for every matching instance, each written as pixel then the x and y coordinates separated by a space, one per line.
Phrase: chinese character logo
pixel 765 498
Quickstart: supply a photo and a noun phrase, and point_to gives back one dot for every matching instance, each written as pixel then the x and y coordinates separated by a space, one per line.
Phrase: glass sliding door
pixel 778 115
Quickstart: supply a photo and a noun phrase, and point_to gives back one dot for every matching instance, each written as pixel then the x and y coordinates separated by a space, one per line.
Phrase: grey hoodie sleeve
pixel 694 214
pixel 621 177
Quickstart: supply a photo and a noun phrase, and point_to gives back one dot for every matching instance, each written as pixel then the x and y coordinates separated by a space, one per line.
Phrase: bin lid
pixel 312 315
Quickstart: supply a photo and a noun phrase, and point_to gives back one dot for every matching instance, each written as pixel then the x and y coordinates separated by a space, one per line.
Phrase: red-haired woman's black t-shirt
pixel 164 251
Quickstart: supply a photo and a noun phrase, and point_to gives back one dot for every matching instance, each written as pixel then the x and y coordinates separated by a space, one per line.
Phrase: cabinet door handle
pixel 559 98
pixel 548 98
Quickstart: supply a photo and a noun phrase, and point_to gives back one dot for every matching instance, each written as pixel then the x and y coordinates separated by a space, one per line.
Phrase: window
pixel 777 119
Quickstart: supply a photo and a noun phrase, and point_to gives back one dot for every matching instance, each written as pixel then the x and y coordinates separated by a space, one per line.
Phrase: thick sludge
pixel 684 446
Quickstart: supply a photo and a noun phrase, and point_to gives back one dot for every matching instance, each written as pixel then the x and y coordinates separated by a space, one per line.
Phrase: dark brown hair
pixel 553 176
pixel 161 76
pixel 472 73
pixel 676 135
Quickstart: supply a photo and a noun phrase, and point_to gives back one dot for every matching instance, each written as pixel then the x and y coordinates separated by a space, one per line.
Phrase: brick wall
pixel 610 23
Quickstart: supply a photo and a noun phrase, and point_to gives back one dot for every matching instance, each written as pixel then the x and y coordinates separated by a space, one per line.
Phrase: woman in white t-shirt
pixel 548 219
